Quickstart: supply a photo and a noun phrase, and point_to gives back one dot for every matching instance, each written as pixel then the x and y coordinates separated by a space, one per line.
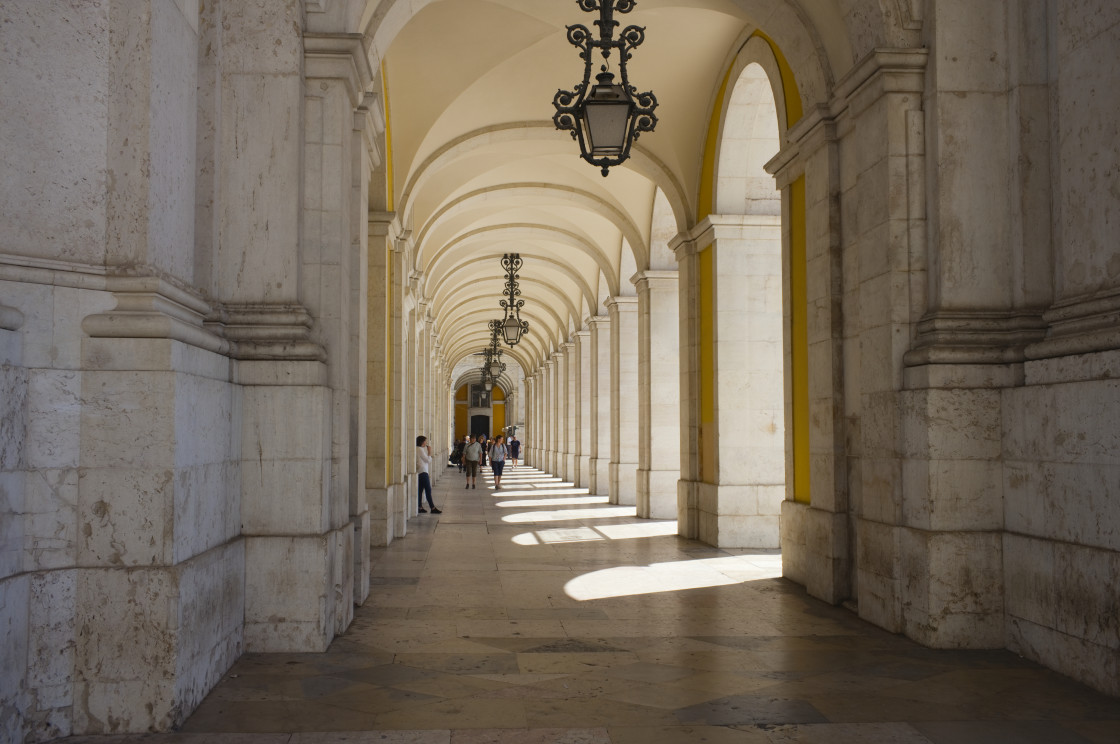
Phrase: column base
pixel 361 526
pixel 571 468
pixel 739 516
pixel 815 551
pixel 657 494
pixel 584 472
pixel 624 483
pixel 600 477
pixel 952 588
pixel 382 522
pixel 688 514
pixel 299 591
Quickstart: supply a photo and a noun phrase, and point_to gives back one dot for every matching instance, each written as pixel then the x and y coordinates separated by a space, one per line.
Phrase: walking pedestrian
pixel 471 454
pixel 498 453
pixel 514 450
pixel 423 463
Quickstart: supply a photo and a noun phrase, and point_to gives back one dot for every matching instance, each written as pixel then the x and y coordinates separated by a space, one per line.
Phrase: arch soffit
pixel 462 352
pixel 642 161
pixel 466 322
pixel 459 316
pixel 548 193
pixel 468 377
pixel 447 273
pixel 447 259
pixel 754 51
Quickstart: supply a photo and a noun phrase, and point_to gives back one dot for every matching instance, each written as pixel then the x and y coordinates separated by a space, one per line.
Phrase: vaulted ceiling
pixel 479 170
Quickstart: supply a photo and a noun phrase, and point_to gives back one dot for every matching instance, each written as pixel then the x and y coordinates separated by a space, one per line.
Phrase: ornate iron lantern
pixel 605 118
pixel 512 327
pixel 492 365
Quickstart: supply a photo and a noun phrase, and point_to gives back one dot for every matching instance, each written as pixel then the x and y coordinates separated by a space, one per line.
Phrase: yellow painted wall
pixel 462 419
pixel 799 339
pixel 498 420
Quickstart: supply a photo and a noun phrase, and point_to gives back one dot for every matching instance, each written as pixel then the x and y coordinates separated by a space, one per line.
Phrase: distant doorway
pixel 480 425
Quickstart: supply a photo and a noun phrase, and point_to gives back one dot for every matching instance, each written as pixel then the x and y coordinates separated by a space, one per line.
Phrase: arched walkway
pixel 541 613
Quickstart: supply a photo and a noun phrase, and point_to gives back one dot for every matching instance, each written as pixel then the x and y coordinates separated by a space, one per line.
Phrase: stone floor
pixel 538 613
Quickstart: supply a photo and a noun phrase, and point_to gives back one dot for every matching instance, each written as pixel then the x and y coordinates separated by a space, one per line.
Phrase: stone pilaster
pixel 571 413
pixel 624 399
pixel 379 380
pixel 659 454
pixel 559 413
pixel 600 413
pixel 815 534
pixel 583 408
pixel 740 458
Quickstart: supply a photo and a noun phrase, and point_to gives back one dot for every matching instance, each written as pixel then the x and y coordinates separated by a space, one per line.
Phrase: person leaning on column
pixel 424 482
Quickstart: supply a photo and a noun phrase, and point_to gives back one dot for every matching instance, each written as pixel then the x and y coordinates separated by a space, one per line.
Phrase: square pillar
pixel 624 399
pixel 659 454
pixel 600 408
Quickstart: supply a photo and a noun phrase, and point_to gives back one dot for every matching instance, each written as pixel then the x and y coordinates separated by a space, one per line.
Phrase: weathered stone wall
pixel 980 286
pixel 181 367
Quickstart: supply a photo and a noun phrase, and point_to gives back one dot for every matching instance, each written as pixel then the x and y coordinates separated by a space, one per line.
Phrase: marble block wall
pixel 1061 550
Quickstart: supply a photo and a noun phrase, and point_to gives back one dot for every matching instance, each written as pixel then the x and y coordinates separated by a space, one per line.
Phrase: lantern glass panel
pixel 606 114
pixel 511 329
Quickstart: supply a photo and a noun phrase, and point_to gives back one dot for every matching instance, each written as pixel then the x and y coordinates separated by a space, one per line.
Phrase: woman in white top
pixel 423 462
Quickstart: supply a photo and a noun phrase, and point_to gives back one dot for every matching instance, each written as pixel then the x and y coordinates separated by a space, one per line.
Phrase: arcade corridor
pixel 539 613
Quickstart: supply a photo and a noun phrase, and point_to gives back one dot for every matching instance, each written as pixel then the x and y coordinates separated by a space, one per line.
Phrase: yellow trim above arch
pixel 790 93
pixel 711 146
pixel 389 197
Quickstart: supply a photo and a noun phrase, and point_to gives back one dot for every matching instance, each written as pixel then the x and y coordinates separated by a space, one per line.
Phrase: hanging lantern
pixel 512 327
pixel 607 117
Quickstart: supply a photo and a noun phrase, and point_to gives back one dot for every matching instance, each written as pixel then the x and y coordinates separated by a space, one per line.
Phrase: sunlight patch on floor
pixel 645 529
pixel 565 515
pixel 551 502
pixel 626 581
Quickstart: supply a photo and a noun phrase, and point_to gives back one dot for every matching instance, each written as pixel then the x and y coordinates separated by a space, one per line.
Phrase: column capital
pixel 645 280
pixel 622 302
pixel 567 347
pixel 598 320
pixel 338 57
pixel 716 227
pixel 582 335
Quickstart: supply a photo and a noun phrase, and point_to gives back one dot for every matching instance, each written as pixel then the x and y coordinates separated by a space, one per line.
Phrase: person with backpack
pixel 498 454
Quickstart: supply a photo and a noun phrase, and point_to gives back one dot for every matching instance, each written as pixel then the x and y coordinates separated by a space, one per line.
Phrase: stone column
pixel 659 454
pixel 734 387
pixel 571 443
pixel 600 413
pixel 568 413
pixel 548 419
pixel 624 399
pixel 526 433
pixel 983 290
pixel 558 414
pixel 583 408
pixel 381 404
